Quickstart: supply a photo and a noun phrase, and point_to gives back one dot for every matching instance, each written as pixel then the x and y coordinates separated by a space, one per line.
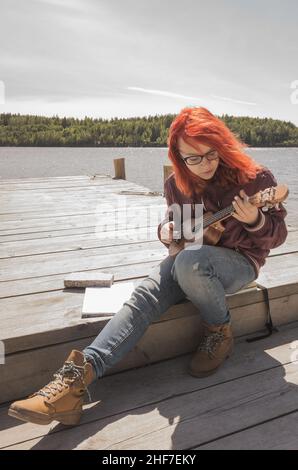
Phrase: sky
pixel 124 58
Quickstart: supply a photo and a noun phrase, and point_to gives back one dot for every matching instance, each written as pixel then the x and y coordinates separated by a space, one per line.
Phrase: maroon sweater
pixel 254 242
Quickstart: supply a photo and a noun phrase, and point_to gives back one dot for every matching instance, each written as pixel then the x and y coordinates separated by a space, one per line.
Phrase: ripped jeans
pixel 202 276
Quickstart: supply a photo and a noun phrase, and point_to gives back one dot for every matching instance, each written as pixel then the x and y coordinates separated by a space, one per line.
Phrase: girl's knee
pixel 182 266
pixel 188 261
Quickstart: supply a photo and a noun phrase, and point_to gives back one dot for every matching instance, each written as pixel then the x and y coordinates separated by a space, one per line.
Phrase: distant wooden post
pixel 119 167
pixel 167 170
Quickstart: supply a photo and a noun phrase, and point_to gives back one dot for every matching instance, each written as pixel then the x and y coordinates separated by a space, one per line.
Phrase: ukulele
pixel 212 226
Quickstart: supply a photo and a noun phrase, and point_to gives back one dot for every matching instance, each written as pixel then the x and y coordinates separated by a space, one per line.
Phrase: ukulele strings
pixel 208 220
pixel 218 215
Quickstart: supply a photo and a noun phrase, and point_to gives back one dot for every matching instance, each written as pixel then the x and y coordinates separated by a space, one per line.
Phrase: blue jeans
pixel 203 276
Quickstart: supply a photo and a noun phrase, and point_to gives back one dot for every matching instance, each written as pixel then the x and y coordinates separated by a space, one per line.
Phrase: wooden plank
pixel 56 244
pixel 92 208
pixel 47 234
pixel 81 260
pixel 65 199
pixel 70 223
pixel 109 216
pixel 162 407
pixel 282 282
pixel 275 434
pixel 279 271
pixel 53 317
pixel 23 201
pixel 199 417
pixel 33 233
pixel 108 209
pixel 111 219
pixel 81 207
pixel 48 187
pixel 66 184
pixel 27 180
pixel 27 187
pixel 84 205
pixel 78 242
pixel 23 195
pixel 55 282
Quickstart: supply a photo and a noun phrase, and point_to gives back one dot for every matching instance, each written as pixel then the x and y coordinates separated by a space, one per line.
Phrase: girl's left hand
pixel 244 210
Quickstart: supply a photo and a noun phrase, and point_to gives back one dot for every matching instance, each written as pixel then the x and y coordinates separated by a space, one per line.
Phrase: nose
pixel 206 164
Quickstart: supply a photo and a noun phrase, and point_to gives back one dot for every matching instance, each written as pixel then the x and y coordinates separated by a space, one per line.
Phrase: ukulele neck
pixel 216 217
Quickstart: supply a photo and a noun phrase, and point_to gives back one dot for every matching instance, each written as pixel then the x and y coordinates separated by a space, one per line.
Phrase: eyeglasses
pixel 196 159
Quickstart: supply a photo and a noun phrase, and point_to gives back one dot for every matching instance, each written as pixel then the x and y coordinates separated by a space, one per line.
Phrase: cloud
pixel 233 100
pixel 74 4
pixel 184 97
pixel 164 93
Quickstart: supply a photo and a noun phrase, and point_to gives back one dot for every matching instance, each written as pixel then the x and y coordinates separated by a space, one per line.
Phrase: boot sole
pixel 39 418
pixel 209 372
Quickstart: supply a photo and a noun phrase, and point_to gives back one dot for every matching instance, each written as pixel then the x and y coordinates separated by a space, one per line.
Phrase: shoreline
pixel 128 147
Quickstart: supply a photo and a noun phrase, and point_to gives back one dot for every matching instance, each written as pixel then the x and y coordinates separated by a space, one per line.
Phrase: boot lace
pixel 210 341
pixel 70 371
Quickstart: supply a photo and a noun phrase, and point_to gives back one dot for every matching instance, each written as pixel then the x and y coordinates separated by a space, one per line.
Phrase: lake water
pixel 143 165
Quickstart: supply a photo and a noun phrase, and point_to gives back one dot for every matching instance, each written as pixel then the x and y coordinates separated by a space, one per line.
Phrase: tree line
pixel 149 131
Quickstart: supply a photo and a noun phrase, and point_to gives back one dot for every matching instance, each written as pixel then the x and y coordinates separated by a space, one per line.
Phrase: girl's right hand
pixel 166 233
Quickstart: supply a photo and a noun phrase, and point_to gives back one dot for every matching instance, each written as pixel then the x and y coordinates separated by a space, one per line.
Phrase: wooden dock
pixel 49 228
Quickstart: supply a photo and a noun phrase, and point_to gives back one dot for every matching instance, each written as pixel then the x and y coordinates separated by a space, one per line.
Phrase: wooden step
pixel 32 359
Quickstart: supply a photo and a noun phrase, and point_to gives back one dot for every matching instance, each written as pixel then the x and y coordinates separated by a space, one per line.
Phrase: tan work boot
pixel 217 344
pixel 62 398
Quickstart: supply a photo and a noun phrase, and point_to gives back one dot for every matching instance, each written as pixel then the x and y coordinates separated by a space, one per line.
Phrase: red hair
pixel 198 125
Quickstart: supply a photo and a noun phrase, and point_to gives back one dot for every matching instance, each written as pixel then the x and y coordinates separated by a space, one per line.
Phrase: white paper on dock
pixel 100 301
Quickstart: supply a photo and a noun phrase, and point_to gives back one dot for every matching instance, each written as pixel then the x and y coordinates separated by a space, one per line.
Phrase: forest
pixel 149 131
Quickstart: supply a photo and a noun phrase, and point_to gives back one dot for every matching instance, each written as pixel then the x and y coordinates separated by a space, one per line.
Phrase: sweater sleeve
pixel 270 230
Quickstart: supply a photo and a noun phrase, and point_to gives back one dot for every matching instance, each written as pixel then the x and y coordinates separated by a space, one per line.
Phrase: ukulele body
pixel 211 236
